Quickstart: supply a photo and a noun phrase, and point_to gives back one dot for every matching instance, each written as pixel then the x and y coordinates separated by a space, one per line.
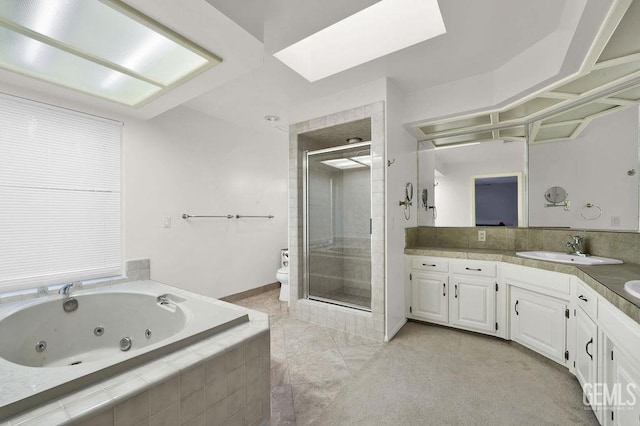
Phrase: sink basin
pixel 555 256
pixel 632 287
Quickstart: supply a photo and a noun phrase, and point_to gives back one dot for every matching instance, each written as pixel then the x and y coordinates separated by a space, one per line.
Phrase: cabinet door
pixel 539 323
pixel 626 384
pixel 587 355
pixel 429 297
pixel 472 304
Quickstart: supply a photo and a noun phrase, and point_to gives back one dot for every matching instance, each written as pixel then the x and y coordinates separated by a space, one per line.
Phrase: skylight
pixel 349 163
pixel 381 29
pixel 100 47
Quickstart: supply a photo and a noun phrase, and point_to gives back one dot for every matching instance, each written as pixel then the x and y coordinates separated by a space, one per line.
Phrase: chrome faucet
pixel 69 304
pixel 576 245
pixel 66 289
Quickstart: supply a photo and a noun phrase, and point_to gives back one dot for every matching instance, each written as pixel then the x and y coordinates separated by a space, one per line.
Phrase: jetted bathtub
pixel 46 352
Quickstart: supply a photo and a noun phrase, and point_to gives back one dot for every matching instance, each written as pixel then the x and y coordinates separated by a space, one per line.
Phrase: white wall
pixel 593 169
pixel 186 162
pixel 401 150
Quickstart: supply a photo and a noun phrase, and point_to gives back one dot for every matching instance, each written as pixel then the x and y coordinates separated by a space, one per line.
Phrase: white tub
pixel 83 346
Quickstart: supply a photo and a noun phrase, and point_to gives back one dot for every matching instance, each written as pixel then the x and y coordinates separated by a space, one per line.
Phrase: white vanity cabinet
pixel 619 377
pixel 472 300
pixel 539 309
pixel 539 323
pixel 427 295
pixel 429 299
pixel 587 344
pixel 459 293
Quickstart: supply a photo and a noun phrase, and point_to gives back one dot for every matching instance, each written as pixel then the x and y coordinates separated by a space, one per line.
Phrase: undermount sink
pixel 554 256
pixel 633 288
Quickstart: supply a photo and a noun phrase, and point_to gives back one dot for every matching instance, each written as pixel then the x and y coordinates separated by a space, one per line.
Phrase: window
pixel 59 195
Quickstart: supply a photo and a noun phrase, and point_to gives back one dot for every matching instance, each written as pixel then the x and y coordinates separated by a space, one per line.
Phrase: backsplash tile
pixel 619 245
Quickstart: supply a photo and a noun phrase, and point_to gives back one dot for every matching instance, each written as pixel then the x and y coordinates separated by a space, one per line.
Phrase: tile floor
pixel 310 364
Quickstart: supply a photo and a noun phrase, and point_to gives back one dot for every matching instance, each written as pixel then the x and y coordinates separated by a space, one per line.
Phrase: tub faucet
pixel 66 289
pixel 576 245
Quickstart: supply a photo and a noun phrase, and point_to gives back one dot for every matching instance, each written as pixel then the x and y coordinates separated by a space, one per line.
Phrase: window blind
pixel 59 195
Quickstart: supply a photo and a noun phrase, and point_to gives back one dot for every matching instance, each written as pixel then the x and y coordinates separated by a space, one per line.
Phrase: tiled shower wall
pixel 366 324
pixel 619 245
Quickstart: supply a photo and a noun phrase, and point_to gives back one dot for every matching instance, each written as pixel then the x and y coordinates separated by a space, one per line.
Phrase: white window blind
pixel 59 195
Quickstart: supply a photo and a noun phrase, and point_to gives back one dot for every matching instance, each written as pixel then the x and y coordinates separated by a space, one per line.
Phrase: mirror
pixel 555 194
pixel 408 192
pixel 595 172
pixel 467 180
pixel 590 179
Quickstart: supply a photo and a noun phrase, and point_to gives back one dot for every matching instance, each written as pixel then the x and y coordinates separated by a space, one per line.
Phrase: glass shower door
pixel 338 225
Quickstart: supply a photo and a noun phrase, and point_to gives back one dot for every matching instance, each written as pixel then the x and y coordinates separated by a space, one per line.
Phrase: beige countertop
pixel 606 280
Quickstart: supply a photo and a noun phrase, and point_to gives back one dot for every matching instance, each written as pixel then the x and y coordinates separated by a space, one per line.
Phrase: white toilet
pixel 283 275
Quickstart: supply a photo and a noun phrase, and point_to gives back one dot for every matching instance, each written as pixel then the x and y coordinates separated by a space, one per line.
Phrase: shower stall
pixel 337 225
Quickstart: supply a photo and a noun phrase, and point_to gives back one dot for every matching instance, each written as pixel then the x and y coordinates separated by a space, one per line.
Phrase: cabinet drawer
pixel 555 284
pixel 435 264
pixel 476 268
pixel 586 299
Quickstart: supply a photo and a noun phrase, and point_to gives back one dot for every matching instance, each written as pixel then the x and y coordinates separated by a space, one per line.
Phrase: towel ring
pixel 590 211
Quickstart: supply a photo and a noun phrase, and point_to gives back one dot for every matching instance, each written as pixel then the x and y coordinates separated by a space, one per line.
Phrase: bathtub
pixel 46 352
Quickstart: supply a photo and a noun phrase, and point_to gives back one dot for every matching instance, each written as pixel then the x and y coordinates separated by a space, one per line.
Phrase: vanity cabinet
pixel 472 301
pixel 429 301
pixel 625 408
pixel 586 359
pixel 539 310
pixel 587 344
pixel 458 293
pixel 539 323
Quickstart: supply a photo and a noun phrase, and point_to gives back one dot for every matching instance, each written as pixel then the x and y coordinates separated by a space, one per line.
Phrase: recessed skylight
pixel 100 47
pixel 349 163
pixel 381 29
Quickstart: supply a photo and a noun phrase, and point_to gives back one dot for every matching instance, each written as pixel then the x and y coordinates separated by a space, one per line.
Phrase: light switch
pixel 166 222
pixel 615 220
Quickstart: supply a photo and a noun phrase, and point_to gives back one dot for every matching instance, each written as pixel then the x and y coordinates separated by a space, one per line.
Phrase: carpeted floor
pixel 429 375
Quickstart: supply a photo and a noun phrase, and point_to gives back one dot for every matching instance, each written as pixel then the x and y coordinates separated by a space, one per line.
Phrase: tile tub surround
pixel 365 324
pixel 222 379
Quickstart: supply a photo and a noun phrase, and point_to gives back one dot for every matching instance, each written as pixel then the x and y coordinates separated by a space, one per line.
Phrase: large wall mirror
pixel 598 169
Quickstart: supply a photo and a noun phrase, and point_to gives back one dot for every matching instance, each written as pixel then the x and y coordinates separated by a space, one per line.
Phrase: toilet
pixel 283 275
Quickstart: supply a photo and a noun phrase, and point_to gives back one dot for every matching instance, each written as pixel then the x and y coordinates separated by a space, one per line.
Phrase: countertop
pixel 606 280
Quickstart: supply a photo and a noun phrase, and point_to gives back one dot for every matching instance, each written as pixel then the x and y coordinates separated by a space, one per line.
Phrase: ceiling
pixel 609 81
pixel 506 38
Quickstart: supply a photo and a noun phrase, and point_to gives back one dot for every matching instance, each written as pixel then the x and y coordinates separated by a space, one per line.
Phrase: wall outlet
pixel 615 221
pixel 166 222
pixel 482 235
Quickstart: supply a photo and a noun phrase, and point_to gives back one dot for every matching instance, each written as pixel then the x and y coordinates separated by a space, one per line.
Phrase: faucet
pixel 576 245
pixel 66 289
